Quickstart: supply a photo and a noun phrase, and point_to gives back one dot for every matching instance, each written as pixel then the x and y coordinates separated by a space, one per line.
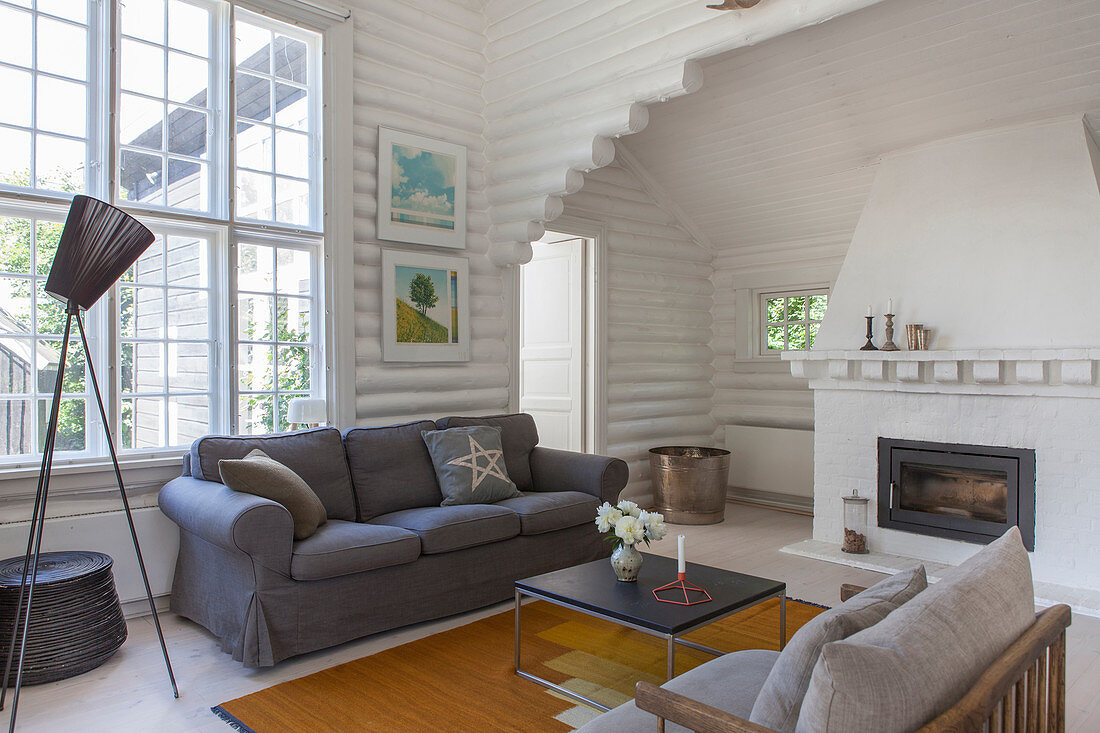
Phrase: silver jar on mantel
pixel 855 524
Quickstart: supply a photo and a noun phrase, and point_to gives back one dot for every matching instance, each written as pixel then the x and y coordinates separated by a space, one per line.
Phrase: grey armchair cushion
pixel 547 511
pixel 730 683
pixel 518 436
pixel 316 455
pixel 260 475
pixel 469 465
pixel 444 529
pixel 780 699
pixel 391 469
pixel 918 661
pixel 343 548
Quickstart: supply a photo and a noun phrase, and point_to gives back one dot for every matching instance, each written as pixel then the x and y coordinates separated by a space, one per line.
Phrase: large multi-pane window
pixel 215 144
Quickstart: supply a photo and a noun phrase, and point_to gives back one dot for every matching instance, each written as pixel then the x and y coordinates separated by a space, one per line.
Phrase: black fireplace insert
pixel 963 492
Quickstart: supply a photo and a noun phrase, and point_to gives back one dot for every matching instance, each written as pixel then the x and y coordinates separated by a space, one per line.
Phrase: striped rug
pixel 463 679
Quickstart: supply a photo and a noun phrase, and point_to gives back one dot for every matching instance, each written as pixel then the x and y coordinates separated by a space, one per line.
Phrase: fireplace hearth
pixel 965 492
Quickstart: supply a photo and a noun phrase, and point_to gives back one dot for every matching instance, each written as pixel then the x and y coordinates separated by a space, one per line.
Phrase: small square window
pixel 790 320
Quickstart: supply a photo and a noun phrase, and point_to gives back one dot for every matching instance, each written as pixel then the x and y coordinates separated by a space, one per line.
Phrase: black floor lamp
pixel 99 243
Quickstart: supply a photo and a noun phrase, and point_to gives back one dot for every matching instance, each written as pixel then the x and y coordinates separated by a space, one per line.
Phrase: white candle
pixel 890 306
pixel 681 564
pixel 869 313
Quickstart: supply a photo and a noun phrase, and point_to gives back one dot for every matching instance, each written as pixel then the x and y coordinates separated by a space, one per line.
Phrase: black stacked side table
pixel 76 620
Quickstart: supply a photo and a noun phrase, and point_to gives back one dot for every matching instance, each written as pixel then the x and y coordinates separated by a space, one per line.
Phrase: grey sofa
pixel 389 554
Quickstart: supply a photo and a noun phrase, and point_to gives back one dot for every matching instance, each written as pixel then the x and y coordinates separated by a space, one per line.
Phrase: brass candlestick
pixel 890 345
pixel 869 346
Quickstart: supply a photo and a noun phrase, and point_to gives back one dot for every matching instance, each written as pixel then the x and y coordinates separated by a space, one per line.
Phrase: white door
pixel 551 381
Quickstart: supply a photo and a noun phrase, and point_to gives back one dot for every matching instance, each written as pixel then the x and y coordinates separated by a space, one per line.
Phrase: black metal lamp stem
pixel 38 520
pixel 34 536
pixel 126 506
pixel 869 346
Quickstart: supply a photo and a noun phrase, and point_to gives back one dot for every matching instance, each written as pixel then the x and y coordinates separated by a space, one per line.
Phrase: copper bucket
pixel 690 483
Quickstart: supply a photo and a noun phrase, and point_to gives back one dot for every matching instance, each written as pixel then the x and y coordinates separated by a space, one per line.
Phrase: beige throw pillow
pixel 918 661
pixel 259 474
pixel 780 699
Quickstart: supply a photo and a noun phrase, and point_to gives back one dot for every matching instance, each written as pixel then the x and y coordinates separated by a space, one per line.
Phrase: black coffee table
pixel 592 589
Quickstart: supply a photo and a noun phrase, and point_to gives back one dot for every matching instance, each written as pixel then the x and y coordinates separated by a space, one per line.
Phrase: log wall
pixel 658 322
pixel 420 67
pixel 563 77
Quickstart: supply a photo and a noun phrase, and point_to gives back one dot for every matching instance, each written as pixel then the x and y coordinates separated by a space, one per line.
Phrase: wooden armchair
pixel 1022 690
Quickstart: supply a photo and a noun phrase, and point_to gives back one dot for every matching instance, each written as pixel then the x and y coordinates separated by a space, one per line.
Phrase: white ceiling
pixel 780 145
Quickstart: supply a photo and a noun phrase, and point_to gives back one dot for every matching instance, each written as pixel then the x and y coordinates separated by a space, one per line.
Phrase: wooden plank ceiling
pixel 779 147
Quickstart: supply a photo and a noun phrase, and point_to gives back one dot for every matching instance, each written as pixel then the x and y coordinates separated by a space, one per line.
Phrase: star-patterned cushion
pixel 469 463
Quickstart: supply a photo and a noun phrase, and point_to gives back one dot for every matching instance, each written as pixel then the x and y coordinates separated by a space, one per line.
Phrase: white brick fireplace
pixel 993 241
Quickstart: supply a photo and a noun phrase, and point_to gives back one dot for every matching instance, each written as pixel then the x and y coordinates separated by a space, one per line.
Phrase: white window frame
pixel 760 315
pixel 333 369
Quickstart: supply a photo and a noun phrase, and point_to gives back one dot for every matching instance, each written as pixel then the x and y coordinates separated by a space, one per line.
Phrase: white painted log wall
pixel 658 325
pixel 563 76
pixel 420 67
pixel 757 392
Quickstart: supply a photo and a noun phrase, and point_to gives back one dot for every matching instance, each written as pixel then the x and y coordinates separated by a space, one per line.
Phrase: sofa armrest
pixel 847 590
pixel 691 714
pixel 232 520
pixel 561 470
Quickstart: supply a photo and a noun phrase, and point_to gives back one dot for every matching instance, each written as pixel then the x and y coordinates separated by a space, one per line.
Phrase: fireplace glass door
pixel 972 493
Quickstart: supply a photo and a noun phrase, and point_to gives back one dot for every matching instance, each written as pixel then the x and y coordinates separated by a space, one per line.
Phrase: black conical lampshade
pixel 99 243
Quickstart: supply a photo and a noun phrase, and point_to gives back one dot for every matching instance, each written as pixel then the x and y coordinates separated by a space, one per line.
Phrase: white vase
pixel 627 561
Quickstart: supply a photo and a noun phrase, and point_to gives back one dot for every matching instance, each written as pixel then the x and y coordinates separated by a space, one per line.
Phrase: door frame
pixel 595 320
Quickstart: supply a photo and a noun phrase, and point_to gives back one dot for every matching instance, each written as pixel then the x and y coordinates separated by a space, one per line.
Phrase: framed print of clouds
pixel 421 190
pixel 425 307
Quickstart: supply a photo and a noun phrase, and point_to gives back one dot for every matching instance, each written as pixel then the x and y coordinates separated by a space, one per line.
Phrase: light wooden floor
pixel 131 691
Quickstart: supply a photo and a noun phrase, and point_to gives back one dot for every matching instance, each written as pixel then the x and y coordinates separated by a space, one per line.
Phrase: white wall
pixel 989 239
pixel 419 67
pixel 658 322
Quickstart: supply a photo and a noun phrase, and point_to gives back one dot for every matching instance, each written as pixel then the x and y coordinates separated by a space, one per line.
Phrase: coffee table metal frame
pixel 671 640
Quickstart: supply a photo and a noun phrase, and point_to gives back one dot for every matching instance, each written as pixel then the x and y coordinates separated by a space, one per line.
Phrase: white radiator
pixel 771 460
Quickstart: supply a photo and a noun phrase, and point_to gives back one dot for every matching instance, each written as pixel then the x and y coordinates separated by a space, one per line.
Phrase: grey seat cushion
pixel 918 661
pixel 316 455
pixel 449 528
pixel 780 700
pixel 518 437
pixel 391 468
pixel 730 683
pixel 343 548
pixel 547 511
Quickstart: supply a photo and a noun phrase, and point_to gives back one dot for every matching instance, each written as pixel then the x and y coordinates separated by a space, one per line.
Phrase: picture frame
pixel 421 190
pixel 425 307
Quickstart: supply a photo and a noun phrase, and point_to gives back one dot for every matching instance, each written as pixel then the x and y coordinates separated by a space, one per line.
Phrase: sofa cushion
pixel 919 660
pixel 547 511
pixel 469 465
pixel 448 528
pixel 259 475
pixel 518 436
pixel 343 548
pixel 316 455
pixel 391 469
pixel 730 683
pixel 778 704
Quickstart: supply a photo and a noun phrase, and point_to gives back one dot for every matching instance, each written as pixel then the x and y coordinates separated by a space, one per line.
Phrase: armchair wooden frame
pixel 1022 690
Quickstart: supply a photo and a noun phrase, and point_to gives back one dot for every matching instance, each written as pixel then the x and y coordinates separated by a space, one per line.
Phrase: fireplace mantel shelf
pixel 1040 372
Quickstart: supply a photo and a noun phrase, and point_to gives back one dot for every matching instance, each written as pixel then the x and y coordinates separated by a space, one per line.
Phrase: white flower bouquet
pixel 626 524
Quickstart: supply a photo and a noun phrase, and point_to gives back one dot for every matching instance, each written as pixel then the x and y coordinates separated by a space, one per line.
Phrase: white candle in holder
pixel 681 564
pixel 890 306
pixel 869 313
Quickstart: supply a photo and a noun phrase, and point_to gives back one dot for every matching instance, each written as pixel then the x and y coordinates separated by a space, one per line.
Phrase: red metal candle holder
pixel 681 586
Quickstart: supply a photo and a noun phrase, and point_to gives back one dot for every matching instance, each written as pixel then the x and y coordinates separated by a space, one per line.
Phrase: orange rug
pixel 464 679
